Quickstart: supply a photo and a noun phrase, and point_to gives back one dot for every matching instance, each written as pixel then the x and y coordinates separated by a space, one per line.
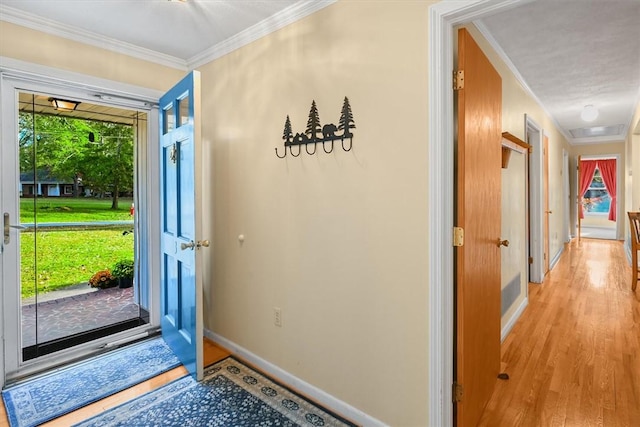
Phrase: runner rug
pixel 231 394
pixel 41 399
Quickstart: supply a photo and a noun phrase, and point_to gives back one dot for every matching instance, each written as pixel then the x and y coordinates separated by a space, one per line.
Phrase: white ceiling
pixel 572 53
pixel 569 53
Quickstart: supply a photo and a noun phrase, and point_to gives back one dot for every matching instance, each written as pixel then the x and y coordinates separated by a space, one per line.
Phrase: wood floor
pixel 574 356
pixel 212 354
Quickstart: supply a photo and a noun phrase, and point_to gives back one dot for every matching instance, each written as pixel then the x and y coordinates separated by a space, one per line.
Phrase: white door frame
pixel 443 16
pixel 534 134
pixel 566 196
pixel 15 74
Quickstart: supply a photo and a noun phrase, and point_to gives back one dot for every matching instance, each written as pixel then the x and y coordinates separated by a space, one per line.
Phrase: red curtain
pixel 587 169
pixel 608 172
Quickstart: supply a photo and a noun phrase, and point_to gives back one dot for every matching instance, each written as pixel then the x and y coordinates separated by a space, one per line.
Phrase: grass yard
pixel 57 209
pixel 69 257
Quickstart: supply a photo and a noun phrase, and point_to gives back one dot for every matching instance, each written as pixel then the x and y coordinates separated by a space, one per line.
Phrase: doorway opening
pixel 77 234
pixel 597 210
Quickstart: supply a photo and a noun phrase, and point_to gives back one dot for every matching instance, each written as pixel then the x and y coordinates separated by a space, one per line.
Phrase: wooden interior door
pixel 547 212
pixel 479 206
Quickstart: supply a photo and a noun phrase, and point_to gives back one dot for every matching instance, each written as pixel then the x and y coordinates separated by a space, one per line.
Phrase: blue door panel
pixel 179 300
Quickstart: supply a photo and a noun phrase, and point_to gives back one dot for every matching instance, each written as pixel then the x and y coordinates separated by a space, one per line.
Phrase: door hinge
pixel 458 236
pixel 458 80
pixel 530 260
pixel 458 392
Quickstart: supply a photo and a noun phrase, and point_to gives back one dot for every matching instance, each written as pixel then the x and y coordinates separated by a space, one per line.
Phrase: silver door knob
pixel 189 245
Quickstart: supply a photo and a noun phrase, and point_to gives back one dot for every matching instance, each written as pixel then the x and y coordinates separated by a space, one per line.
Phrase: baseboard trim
pixel 343 409
pixel 556 258
pixel 512 322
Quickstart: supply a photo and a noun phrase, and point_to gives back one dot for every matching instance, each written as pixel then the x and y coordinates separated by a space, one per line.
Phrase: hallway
pixel 574 356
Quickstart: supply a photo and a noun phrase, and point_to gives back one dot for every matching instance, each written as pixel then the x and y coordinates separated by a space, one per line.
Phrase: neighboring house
pixel 45 185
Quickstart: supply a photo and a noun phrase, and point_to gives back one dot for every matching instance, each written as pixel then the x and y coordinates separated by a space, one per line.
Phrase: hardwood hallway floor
pixel 574 356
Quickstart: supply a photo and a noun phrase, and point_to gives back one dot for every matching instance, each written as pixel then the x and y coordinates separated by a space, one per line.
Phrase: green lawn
pixel 57 209
pixel 69 256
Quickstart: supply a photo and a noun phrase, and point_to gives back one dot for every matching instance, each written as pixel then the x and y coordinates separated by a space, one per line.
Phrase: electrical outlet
pixel 277 316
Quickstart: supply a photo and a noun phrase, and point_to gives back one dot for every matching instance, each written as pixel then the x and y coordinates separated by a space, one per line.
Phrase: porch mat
pixel 44 398
pixel 231 394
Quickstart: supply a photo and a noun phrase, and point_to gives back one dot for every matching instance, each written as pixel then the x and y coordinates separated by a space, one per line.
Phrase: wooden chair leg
pixel 634 270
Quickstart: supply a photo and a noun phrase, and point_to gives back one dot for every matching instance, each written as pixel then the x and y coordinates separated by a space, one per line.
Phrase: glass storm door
pixel 181 282
pixel 76 234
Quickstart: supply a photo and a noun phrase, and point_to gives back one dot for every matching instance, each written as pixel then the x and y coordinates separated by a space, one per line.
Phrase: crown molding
pixel 263 28
pixel 29 20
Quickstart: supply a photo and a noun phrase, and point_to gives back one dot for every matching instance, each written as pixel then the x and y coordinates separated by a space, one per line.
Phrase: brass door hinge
pixel 458 236
pixel 458 80
pixel 458 392
pixel 530 260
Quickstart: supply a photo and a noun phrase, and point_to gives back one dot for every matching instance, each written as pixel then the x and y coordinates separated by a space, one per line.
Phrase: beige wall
pixel 44 49
pixel 337 241
pixel 632 170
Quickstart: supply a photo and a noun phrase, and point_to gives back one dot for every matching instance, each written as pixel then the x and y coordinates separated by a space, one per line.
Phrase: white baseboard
pixel 556 258
pixel 295 383
pixel 511 323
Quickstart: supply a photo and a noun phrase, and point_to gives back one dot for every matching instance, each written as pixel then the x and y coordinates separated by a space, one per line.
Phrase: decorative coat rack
pixel 316 133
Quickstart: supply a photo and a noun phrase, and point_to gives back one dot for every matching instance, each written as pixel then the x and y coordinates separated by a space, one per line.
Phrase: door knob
pixel 549 212
pixel 503 243
pixel 189 245
pixel 193 245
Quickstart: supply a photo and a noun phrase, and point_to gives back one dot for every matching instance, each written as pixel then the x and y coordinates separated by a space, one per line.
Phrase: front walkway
pixel 67 315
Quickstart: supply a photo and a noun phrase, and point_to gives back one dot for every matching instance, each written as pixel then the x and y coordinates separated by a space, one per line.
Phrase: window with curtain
pixel 596 200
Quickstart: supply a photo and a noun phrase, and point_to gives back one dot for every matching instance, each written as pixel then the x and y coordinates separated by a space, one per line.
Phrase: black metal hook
pixel 299 151
pixel 315 147
pixel 350 144
pixel 325 150
pixel 285 153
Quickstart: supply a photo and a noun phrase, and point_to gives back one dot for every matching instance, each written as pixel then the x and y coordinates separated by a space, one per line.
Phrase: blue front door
pixel 181 296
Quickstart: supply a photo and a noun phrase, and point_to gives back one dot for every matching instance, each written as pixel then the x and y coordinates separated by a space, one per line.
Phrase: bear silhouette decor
pixel 318 133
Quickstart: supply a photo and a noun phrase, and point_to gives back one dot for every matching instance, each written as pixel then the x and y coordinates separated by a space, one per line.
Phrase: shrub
pixel 123 269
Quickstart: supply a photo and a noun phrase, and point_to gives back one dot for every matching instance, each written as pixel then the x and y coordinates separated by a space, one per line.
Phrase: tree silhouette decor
pixel 318 133
pixel 287 135
pixel 313 124
pixel 346 122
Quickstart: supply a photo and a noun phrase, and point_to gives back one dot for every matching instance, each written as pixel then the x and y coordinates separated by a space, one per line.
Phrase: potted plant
pixel 102 279
pixel 123 272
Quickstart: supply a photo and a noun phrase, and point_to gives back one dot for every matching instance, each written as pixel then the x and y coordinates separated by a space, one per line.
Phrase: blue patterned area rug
pixel 42 399
pixel 231 394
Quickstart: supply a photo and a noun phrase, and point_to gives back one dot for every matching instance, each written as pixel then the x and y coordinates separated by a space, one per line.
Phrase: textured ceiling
pixel 573 53
pixel 569 53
